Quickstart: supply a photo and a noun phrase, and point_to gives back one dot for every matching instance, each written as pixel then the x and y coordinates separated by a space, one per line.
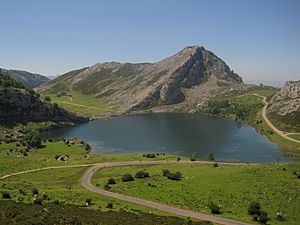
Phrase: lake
pixel 175 133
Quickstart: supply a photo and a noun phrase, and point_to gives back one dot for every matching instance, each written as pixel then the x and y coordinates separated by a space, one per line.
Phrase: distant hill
pixel 31 80
pixel 284 107
pixel 189 77
pixel 19 104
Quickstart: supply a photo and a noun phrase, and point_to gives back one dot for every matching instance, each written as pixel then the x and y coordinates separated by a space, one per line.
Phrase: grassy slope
pixel 99 107
pixel 14 213
pixel 45 157
pixel 232 187
pixel 253 105
pixel 59 184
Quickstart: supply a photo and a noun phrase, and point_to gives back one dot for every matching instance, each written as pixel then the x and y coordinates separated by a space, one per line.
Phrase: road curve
pixel 276 130
pixel 86 182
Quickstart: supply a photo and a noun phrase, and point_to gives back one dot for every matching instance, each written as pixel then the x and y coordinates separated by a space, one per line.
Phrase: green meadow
pixel 233 188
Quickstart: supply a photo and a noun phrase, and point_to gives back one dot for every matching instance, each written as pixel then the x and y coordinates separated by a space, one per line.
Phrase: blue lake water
pixel 175 133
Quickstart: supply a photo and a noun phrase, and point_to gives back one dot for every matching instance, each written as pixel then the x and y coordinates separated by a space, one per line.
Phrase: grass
pixel 87 104
pixel 10 160
pixel 251 107
pixel 295 136
pixel 231 187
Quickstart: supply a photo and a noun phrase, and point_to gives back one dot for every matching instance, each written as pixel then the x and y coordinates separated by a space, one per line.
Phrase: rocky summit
pixel 186 79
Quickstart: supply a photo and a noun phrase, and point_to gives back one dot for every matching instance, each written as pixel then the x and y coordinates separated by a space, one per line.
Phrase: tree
pixel 127 177
pixel 211 157
pixel 254 208
pixel 33 139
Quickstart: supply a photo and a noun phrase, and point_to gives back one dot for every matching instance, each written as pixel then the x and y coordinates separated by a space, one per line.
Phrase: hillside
pixel 284 107
pixel 31 80
pixel 189 77
pixel 19 104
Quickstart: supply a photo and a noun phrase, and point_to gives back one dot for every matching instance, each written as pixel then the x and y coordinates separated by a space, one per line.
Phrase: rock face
pixel 287 100
pixel 31 80
pixel 188 78
pixel 21 105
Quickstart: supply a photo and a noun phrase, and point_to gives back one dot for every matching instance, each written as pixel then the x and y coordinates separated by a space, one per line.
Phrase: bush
pixel 47 99
pixel 35 191
pixel 215 209
pixel 216 165
pixel 171 176
pixel 38 201
pixel 150 155
pixel 193 158
pixel 254 208
pixel 109 205
pixel 111 181
pixel 127 177
pixel 88 201
pixel 142 174
pixel 107 187
pixel 165 172
pixel 263 218
pixel 178 159
pixel 6 195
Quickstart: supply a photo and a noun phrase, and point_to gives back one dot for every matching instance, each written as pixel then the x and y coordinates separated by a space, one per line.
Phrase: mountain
pixel 19 104
pixel 284 106
pixel 31 80
pixel 189 77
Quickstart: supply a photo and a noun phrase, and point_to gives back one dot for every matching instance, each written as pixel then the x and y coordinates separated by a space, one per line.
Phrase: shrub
pixel 107 187
pixel 142 174
pixel 165 172
pixel 174 176
pixel 109 205
pixel 215 209
pixel 263 218
pixel 254 208
pixel 88 201
pixel 216 165
pixel 111 181
pixel 35 191
pixel 45 197
pixel 127 177
pixel 47 99
pixel 193 158
pixel 280 216
pixel 6 195
pixel 38 201
pixel 178 159
pixel 150 155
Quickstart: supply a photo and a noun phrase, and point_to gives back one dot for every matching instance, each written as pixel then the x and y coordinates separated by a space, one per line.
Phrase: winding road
pixel 276 130
pixel 86 182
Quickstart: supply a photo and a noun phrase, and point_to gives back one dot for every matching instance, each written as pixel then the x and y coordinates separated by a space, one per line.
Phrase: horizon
pixel 81 35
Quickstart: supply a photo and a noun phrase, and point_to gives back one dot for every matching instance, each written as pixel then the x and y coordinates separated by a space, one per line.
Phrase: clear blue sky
pixel 259 39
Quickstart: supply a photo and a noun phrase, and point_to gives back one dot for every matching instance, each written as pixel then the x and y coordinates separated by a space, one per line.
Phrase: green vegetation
pixel 295 136
pixel 228 190
pixel 80 103
pixel 12 158
pixel 246 107
pixel 54 213
pixel 288 123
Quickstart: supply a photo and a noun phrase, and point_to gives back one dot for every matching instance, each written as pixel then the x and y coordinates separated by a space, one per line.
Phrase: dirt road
pixel 86 182
pixel 277 131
